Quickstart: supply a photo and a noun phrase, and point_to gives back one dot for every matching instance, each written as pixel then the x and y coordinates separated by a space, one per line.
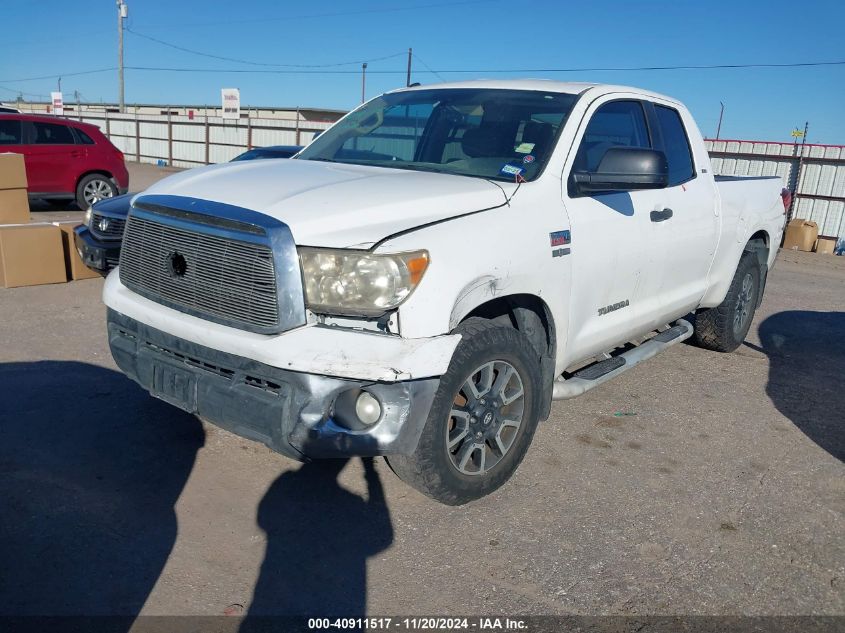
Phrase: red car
pixel 65 160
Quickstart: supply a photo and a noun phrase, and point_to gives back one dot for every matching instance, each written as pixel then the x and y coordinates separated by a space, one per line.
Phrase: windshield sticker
pixel 560 238
pixel 511 170
pixel 528 159
pixel 524 148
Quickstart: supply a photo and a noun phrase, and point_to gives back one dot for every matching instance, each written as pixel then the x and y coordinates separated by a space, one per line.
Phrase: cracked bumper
pixel 291 412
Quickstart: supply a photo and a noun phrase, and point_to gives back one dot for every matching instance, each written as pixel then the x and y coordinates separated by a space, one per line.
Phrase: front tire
pixel 723 328
pixel 92 189
pixel 482 419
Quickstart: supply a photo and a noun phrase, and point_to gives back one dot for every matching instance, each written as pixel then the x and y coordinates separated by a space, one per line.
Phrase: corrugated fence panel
pixel 154 148
pixel 264 137
pixel 838 188
pixel 184 132
pixel 190 152
pixel 154 130
pixel 223 153
pixel 229 135
pixel 123 128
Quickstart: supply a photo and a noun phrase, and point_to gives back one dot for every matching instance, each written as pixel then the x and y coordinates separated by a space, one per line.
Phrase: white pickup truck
pixel 432 271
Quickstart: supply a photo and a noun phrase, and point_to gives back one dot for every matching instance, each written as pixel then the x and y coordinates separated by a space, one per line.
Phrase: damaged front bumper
pixel 292 412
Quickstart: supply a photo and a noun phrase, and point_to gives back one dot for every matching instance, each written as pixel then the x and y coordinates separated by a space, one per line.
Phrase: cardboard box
pixel 825 245
pixel 801 235
pixel 31 254
pixel 14 206
pixel 12 171
pixel 73 263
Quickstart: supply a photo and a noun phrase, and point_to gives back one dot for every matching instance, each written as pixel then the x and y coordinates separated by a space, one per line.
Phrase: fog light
pixel 367 408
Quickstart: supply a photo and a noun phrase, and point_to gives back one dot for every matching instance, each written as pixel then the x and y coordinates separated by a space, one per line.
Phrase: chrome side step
pixel 598 373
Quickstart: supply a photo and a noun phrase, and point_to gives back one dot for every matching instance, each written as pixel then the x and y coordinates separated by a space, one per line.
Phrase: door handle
pixel 76 154
pixel 661 216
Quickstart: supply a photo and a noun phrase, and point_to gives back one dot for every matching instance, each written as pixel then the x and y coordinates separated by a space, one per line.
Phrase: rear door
pixel 614 267
pixel 53 160
pixel 686 234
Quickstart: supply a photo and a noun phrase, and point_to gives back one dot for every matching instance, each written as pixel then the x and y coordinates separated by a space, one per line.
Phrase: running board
pixel 598 373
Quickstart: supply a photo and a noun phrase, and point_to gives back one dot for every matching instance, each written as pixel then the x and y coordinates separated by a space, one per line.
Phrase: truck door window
pixel 676 145
pixel 615 124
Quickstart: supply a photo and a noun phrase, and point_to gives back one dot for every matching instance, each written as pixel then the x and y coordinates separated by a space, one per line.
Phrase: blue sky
pixel 49 37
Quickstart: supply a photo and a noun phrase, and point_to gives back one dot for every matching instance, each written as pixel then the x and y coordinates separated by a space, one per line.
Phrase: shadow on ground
pixel 806 353
pixel 319 536
pixel 90 469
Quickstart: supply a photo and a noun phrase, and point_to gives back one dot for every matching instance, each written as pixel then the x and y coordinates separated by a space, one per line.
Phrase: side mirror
pixel 625 169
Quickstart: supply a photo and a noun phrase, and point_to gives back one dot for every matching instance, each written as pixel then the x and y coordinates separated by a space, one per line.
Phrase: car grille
pixel 219 278
pixel 106 227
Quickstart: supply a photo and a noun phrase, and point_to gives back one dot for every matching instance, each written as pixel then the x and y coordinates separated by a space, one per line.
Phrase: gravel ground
pixel 697 483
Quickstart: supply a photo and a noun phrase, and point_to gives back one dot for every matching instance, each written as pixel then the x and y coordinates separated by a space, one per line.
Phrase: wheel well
pixel 758 244
pixel 102 172
pixel 759 240
pixel 531 316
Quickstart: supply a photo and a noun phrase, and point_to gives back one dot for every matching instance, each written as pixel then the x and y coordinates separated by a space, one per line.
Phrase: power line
pixel 477 71
pixel 484 71
pixel 254 63
pixel 54 75
pixel 438 75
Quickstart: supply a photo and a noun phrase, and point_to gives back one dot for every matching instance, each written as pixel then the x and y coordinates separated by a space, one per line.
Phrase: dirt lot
pixel 698 483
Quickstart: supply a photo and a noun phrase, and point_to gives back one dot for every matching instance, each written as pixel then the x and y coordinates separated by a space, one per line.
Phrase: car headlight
pixel 339 281
pixel 88 214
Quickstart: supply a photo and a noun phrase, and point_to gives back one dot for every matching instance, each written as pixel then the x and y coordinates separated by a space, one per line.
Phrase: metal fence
pixel 185 141
pixel 814 173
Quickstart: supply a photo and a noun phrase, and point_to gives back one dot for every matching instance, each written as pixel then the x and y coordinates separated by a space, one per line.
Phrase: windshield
pixel 481 132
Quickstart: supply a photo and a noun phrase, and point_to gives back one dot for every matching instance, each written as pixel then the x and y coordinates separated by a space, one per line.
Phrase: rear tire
pixel 92 189
pixel 723 328
pixel 482 419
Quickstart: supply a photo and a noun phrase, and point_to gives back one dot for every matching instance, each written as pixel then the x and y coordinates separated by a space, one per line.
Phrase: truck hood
pixel 336 205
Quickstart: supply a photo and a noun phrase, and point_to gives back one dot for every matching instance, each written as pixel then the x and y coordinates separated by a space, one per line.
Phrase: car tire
pixel 723 328
pixel 93 188
pixel 494 381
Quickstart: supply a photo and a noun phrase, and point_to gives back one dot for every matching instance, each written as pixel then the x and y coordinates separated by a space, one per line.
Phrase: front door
pixel 614 267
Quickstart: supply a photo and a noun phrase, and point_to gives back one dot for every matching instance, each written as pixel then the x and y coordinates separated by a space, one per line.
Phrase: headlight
pixel 87 220
pixel 351 282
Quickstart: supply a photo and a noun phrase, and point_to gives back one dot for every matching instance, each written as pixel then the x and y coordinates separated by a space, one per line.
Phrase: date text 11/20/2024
pixel 418 624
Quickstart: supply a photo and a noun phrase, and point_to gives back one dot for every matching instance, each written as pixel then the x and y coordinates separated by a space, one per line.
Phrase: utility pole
pixel 122 12
pixel 721 113
pixel 363 82
pixel 408 78
pixel 798 170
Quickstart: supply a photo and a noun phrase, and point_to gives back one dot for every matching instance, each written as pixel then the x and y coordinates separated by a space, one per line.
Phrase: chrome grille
pixel 221 278
pixel 106 227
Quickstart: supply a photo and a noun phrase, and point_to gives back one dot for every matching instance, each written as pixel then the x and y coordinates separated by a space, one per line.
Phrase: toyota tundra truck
pixel 425 278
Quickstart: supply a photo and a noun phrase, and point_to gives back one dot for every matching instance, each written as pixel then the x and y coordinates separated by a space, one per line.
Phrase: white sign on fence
pixel 231 103
pixel 58 104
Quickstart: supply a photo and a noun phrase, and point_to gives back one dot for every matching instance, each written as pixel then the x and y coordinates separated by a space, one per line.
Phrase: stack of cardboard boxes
pixel 32 253
pixel 803 235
